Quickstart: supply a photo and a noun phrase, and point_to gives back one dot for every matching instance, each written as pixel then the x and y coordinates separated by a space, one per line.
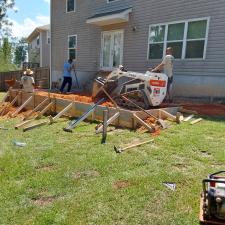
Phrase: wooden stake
pixel 9 105
pixel 110 120
pixel 196 121
pixel 22 106
pixel 104 133
pixel 23 124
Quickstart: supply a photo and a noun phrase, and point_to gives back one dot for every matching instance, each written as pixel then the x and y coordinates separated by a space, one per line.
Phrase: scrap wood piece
pixel 109 121
pixel 196 121
pixel 183 110
pixel 35 126
pixel 189 118
pixel 36 109
pixel 149 127
pixel 53 119
pixel 22 106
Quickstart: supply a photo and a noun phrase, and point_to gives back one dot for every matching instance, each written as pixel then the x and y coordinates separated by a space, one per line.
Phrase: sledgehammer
pixel 120 150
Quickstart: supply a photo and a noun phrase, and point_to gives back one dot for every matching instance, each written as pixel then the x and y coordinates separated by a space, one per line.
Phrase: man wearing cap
pixel 27 81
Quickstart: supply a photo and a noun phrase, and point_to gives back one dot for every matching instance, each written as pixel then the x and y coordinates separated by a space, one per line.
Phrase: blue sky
pixel 30 14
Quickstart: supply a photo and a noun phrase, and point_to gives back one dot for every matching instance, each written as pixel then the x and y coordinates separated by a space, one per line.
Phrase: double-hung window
pixel 70 5
pixel 72 46
pixel 187 38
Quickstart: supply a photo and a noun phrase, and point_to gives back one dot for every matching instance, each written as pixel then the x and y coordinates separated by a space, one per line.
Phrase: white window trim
pixel 183 57
pixel 75 7
pixel 68 48
pixel 101 54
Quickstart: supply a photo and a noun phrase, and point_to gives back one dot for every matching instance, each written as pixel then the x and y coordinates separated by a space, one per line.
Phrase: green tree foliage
pixel 5 5
pixel 20 52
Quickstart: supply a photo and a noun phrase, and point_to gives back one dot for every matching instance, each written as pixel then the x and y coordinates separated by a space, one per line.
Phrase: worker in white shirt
pixel 27 81
pixel 167 66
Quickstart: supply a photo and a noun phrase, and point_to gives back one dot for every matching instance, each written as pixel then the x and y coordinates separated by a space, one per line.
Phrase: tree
pixel 7 51
pixel 4 22
pixel 20 52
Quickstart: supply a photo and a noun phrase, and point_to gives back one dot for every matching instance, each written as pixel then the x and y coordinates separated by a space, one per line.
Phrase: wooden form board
pixel 125 120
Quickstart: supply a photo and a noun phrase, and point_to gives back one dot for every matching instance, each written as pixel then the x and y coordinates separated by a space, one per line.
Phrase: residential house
pixel 39 46
pixel 102 34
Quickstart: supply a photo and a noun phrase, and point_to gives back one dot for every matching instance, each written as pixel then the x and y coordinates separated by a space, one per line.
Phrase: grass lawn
pixel 72 179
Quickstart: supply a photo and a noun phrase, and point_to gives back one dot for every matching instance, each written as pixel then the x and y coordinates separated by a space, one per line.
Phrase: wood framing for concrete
pixel 125 119
pixel 38 107
pixel 5 97
pixel 147 126
pixel 2 111
pixel 110 121
pixel 52 120
pixel 23 106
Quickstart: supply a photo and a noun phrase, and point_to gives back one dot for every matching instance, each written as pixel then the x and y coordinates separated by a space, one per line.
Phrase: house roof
pixel 37 31
pixel 110 17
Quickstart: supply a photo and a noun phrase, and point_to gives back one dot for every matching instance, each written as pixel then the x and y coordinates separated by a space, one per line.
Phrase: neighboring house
pixel 39 46
pixel 101 34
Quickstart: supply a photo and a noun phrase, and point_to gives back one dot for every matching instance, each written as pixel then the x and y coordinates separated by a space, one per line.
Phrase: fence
pixel 41 77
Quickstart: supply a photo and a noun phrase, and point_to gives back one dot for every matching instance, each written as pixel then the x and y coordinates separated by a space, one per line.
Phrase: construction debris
pixel 189 118
pixel 19 144
pixel 196 121
pixel 171 186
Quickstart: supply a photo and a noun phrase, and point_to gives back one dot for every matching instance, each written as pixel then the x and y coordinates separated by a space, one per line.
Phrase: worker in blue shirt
pixel 67 76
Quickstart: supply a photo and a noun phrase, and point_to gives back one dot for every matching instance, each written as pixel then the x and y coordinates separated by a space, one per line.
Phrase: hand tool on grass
pixel 159 121
pixel 75 122
pixel 120 150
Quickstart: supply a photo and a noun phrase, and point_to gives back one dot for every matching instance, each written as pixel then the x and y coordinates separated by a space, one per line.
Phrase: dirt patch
pixel 44 200
pixel 85 174
pixel 121 184
pixel 180 166
pixel 46 168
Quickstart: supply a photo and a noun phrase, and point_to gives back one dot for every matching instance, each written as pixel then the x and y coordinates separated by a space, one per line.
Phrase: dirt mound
pixel 206 109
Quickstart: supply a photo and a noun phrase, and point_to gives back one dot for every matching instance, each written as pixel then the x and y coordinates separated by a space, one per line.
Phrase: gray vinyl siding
pixel 45 50
pixel 145 12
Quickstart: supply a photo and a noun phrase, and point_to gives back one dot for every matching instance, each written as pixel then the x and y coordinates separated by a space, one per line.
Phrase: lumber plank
pixel 23 106
pixel 110 120
pixel 35 126
pixel 189 118
pixel 196 121
pixel 23 124
pixel 147 126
